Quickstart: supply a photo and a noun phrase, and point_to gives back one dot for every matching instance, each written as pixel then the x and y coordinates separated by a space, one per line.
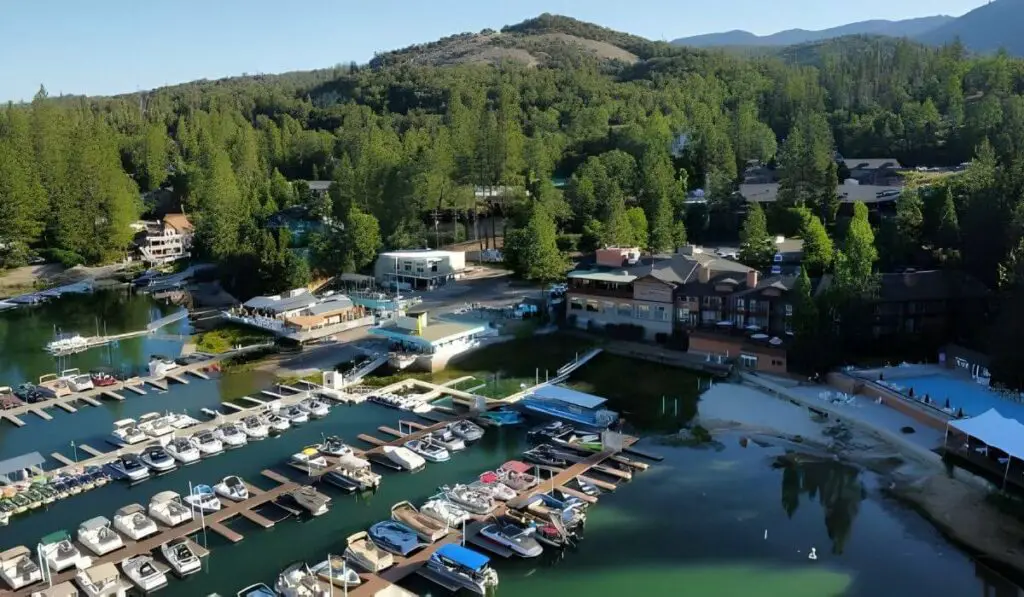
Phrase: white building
pixel 167 240
pixel 419 270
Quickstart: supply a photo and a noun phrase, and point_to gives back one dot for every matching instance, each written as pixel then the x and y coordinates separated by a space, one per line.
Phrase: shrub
pixel 68 259
pixel 568 243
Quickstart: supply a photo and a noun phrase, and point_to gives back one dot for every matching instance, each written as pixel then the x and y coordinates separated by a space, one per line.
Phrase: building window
pixel 753 305
pixel 625 310
pixel 789 310
pixel 682 314
pixel 662 314
pixel 693 299
pixel 407 267
pixel 739 304
pixel 748 361
pixel 433 267
pixel 643 312
pixel 592 307
pixel 576 304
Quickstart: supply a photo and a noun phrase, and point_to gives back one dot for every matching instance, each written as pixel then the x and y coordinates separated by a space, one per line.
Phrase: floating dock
pixel 67 407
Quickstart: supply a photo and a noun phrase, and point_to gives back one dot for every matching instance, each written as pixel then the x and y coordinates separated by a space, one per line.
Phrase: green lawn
pixel 223 338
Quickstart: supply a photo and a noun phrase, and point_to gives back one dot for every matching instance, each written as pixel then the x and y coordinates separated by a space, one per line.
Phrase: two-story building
pixel 420 269
pixel 166 240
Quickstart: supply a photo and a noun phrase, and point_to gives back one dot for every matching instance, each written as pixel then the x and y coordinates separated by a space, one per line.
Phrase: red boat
pixel 102 379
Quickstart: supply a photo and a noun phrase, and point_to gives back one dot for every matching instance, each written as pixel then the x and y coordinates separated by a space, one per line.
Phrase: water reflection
pixel 836 487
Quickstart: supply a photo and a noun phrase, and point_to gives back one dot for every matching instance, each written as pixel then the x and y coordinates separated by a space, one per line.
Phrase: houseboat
pixel 582 410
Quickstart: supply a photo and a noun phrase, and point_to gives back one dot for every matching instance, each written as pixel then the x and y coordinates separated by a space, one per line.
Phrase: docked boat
pixel 445 511
pixel 570 512
pixel 167 508
pixel 203 499
pixel 467 430
pixel 97 536
pixel 257 590
pixel 516 475
pixel 404 457
pixel 232 488
pixel 126 432
pixel 547 431
pixel 155 425
pixel 458 566
pixel 503 417
pixel 336 571
pixel 103 580
pixel 231 435
pixel 334 446
pixel 427 528
pixel 67 345
pixel 547 530
pixel 17 568
pixel 353 478
pixel 158 460
pixel 309 461
pixel 430 450
pixel 144 574
pixel 546 455
pixel 129 466
pixel 295 415
pixel 102 379
pixel 80 382
pixel 131 520
pixel 449 440
pixel 315 408
pixel 364 553
pixel 395 537
pixel 207 443
pixel 340 480
pixel 181 421
pixel 182 450
pixel 254 427
pixel 469 499
pixel 581 410
pixel 181 557
pixel 298 581
pixel 494 488
pixel 308 498
pixel 59 553
pixel 276 424
pixel 515 537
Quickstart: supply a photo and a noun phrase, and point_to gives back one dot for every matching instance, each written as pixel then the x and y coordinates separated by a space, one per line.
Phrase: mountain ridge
pixel 902 28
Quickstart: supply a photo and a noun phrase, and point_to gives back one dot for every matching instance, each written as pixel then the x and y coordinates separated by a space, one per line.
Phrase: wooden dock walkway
pixel 42 414
pixel 176 377
pixel 137 388
pixel 113 395
pixel 198 374
pixel 62 459
pixel 255 401
pixel 233 406
pixel 371 440
pixel 157 383
pixel 89 450
pixel 67 407
pixel 90 400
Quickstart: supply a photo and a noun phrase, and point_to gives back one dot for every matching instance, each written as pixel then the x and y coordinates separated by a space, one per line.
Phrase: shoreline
pixel 957 506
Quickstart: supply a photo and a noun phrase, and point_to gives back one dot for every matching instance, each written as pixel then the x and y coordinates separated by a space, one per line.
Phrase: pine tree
pixel 948 231
pixel 638 222
pixel 542 261
pixel 156 156
pixel 817 248
pixel 854 263
pixel 756 246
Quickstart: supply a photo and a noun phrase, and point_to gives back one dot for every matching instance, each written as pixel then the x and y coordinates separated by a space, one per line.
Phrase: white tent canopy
pixel 994 430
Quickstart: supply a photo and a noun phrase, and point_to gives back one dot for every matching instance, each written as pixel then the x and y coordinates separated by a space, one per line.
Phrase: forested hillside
pixel 404 139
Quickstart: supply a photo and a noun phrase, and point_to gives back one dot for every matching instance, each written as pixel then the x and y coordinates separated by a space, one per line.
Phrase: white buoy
pixel 813 555
pixel 766 534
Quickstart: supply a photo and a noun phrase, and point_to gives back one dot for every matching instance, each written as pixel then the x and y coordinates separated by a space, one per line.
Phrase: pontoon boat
pixel 133 522
pixel 395 537
pixel 59 552
pixel 102 580
pixel 364 553
pixel 17 568
pixel 462 567
pixel 96 535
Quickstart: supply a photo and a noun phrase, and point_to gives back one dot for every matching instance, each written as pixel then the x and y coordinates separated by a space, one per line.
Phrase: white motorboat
pixel 126 433
pixel 308 498
pixel 467 430
pixel 167 508
pixel 275 423
pixel 432 451
pixel 295 415
pixel 97 536
pixel 17 568
pixel 181 421
pixel 232 488
pixel 298 581
pixel 315 408
pixel 129 466
pixel 80 383
pixel 132 521
pixel 103 580
pixel 67 345
pixel 203 499
pixel 462 567
pixel 181 557
pixel 449 440
pixel 207 443
pixel 158 460
pixel 334 446
pixel 517 538
pixel 182 450
pixel 231 435
pixel 495 489
pixel 404 457
pixel 364 553
pixel 60 553
pixel 336 571
pixel 445 511
pixel 144 574
pixel 254 427
pixel 309 461
pixel 155 425
pixel 257 590
pixel 469 499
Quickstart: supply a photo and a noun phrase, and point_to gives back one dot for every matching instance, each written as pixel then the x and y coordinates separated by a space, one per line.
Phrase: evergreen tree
pixel 156 156
pixel 638 223
pixel 535 249
pixel 661 192
pixel 948 229
pixel 618 230
pixel 756 246
pixel 909 218
pixel 806 325
pixel 817 248
pixel 854 263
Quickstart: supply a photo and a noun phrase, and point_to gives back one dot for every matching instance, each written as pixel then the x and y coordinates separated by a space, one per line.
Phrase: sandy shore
pixel 961 510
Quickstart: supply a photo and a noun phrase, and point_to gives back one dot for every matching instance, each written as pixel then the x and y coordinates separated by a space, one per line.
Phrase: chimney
pixel 703 273
pixel 752 278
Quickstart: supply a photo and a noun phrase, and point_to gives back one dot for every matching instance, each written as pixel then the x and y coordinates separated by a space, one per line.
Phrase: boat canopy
pixel 129 510
pixel 516 466
pixel 563 394
pixel 94 524
pixel 102 573
pixel 463 556
pixel 55 537
pixel 14 553
pixel 165 496
pixel 124 422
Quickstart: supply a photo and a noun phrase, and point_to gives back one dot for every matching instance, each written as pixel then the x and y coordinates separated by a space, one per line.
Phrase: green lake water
pixel 693 525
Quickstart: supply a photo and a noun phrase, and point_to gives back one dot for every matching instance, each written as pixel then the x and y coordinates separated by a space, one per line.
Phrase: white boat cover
pixel 995 430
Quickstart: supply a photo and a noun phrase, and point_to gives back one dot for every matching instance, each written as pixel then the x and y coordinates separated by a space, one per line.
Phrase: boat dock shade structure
pixel 991 441
pixel 415 333
pixel 20 468
pixel 570 405
pixel 299 315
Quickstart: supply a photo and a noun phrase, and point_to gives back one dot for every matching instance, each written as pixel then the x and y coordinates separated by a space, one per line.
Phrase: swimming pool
pixel 968 395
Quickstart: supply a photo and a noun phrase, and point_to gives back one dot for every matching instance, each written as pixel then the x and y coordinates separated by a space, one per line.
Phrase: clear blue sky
pixel 118 46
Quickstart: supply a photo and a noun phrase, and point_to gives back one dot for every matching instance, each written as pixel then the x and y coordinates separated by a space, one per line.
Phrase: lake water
pixel 721 521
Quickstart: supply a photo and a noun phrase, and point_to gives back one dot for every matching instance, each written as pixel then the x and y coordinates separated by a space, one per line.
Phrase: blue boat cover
pixel 461 555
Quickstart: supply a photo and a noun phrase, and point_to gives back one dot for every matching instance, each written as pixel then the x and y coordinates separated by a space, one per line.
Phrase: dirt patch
pixel 22 277
pixel 600 49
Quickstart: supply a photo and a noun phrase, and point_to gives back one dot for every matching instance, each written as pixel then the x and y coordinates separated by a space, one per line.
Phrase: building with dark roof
pixel 874 171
